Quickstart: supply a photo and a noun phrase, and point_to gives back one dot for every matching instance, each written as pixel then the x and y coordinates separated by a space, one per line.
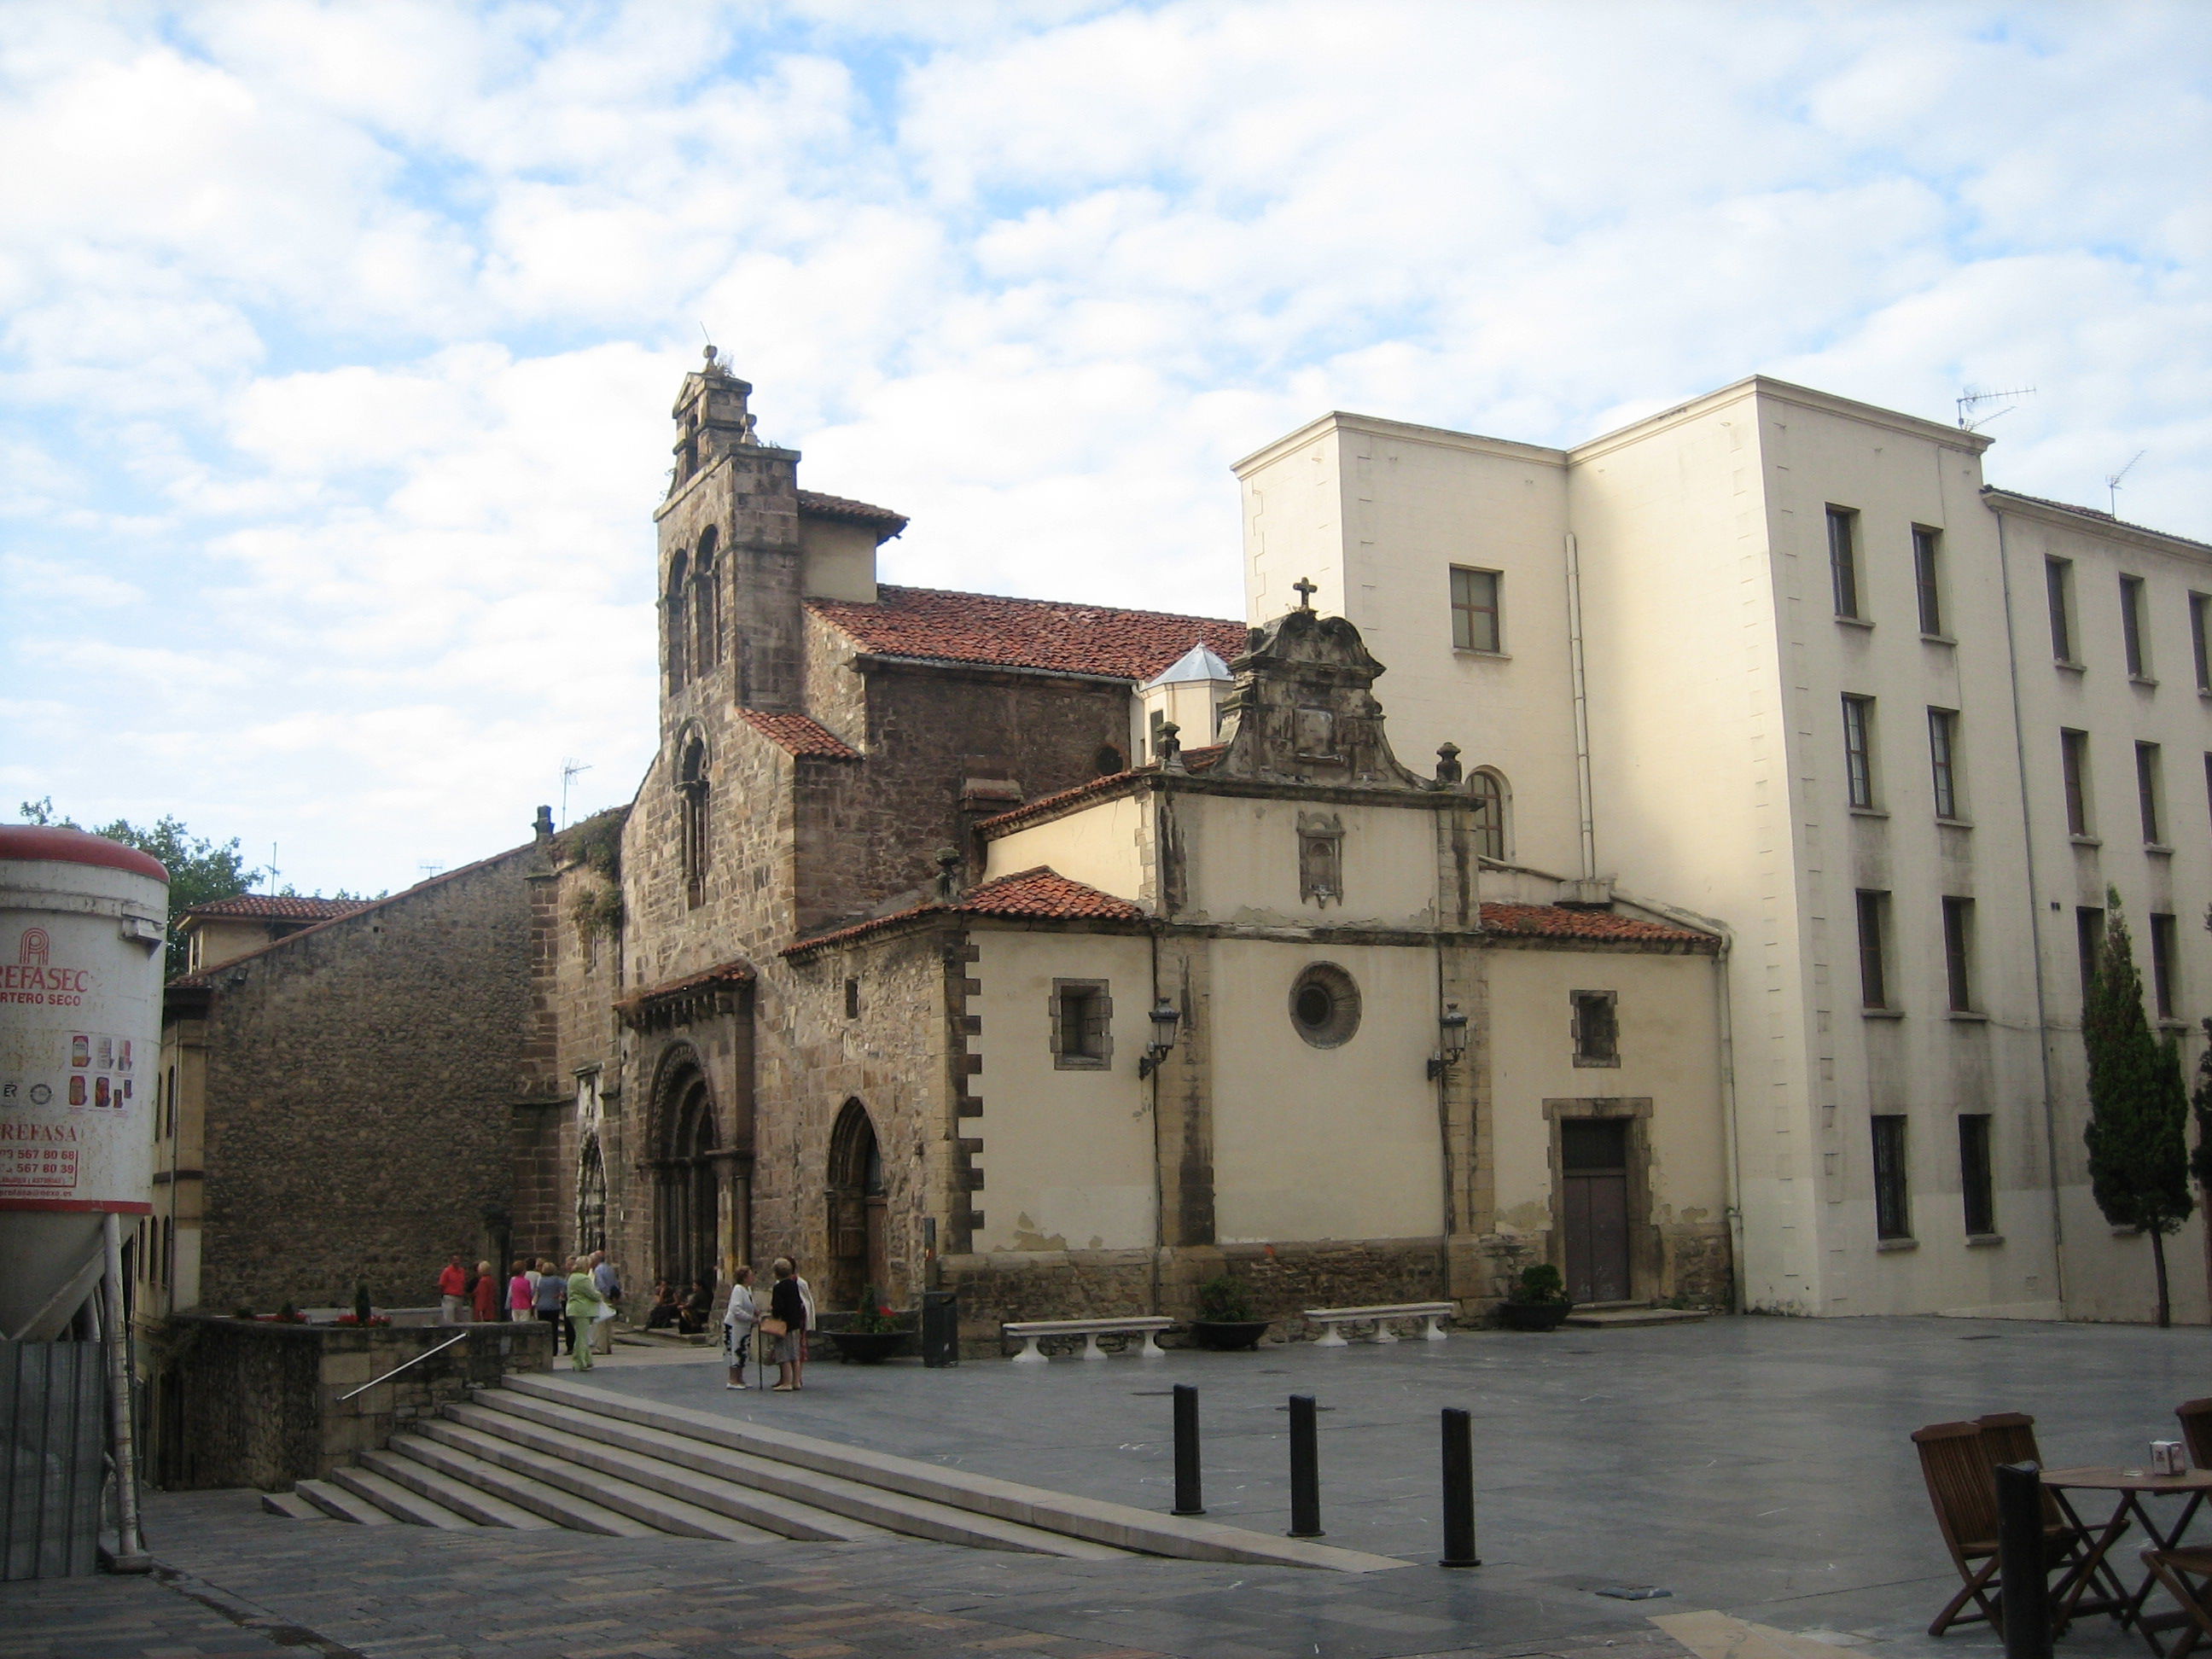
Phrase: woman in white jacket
pixel 738 1321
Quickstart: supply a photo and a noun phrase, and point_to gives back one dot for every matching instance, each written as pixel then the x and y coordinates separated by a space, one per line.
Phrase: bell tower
pixel 730 566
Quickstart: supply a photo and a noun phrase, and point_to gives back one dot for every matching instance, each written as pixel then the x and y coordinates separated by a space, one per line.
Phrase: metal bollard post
pixel 1305 1470
pixel 2025 1591
pixel 1459 1491
pixel 1187 1498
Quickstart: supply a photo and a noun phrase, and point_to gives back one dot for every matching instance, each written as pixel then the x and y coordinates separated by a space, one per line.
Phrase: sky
pixel 338 341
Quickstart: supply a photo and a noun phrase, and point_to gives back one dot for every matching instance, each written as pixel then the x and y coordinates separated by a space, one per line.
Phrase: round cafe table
pixel 2132 1486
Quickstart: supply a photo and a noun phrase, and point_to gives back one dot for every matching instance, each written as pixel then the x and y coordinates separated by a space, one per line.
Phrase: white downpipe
pixel 1581 706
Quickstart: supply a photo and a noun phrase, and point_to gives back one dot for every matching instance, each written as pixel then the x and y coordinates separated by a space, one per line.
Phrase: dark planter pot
pixel 1226 1335
pixel 1533 1316
pixel 869 1347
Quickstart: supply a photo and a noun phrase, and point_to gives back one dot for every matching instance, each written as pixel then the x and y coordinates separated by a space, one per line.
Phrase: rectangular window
pixel 1927 552
pixel 2200 638
pixel 2148 792
pixel 851 999
pixel 1858 750
pixel 1874 952
pixel 1082 1025
pixel 1892 1213
pixel 2058 584
pixel 1959 952
pixel 1475 610
pixel 2131 627
pixel 2161 963
pixel 2074 764
pixel 1976 1183
pixel 1844 560
pixel 1943 761
pixel 2088 936
pixel 1596 1027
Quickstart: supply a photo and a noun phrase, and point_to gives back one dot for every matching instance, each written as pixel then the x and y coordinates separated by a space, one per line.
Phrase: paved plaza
pixel 1751 1468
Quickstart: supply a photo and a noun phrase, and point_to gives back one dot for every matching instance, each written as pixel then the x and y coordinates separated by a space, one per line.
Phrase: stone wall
pixel 254 1404
pixel 360 1077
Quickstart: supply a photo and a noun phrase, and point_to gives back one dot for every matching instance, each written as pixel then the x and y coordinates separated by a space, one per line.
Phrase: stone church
pixel 1064 955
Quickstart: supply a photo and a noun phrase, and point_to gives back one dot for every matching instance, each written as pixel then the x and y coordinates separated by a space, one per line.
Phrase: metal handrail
pixel 426 1354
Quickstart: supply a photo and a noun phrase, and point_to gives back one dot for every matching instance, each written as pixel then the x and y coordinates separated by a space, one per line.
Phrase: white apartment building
pixel 1786 659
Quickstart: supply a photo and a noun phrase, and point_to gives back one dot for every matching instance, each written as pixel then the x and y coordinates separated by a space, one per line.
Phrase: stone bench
pixel 1336 1318
pixel 1033 1331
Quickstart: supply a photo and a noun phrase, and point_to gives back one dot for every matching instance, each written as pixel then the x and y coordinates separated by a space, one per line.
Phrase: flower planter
pixel 1533 1316
pixel 1227 1335
pixel 869 1347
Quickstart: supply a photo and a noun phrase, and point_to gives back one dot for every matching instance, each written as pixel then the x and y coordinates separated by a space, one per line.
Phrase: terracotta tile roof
pixel 1041 892
pixel 285 907
pixel 1559 921
pixel 2095 514
pixel 1052 633
pixel 1045 807
pixel 799 733
pixel 839 507
pixel 679 998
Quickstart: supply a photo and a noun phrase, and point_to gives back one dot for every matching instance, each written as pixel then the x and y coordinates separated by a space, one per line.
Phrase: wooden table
pixel 2132 1485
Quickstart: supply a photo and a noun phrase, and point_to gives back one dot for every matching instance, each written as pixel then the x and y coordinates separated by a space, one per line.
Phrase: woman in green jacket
pixel 584 1306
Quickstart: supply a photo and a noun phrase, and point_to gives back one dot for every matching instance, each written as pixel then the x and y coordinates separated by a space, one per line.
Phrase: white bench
pixel 1034 1330
pixel 1336 1318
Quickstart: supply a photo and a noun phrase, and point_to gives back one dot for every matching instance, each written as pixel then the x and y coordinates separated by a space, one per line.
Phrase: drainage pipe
pixel 1582 707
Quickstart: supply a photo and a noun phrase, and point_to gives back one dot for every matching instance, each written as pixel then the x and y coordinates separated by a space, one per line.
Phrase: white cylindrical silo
pixel 83 921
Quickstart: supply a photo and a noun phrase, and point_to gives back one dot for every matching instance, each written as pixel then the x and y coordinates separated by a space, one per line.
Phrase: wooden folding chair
pixel 2009 1437
pixel 2196 1416
pixel 2186 1574
pixel 1965 1498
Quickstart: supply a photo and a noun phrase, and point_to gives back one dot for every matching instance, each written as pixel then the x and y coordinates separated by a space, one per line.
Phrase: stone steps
pixel 549 1503
pixel 342 1505
pixel 473 1503
pixel 398 1502
pixel 1620 1319
pixel 291 1506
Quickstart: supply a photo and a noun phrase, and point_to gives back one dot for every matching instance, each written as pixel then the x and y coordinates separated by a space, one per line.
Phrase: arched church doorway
pixel 687 1207
pixel 591 1198
pixel 860 1252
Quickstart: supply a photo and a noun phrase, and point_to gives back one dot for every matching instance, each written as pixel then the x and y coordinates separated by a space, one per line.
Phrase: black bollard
pixel 1305 1470
pixel 2026 1592
pixel 1188 1501
pixel 1459 1491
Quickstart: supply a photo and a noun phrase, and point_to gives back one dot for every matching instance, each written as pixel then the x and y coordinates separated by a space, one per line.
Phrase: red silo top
pixel 33 841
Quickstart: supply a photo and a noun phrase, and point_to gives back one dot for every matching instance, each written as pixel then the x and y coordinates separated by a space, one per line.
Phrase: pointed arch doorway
pixel 687 1196
pixel 859 1249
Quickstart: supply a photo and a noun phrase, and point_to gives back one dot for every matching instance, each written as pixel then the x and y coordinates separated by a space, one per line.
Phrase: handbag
pixel 774 1326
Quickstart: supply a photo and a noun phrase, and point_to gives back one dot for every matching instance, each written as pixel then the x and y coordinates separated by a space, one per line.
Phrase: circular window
pixel 1325 1006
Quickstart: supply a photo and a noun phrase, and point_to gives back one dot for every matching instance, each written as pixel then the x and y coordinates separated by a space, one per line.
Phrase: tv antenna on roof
pixel 1970 397
pixel 2113 482
pixel 569 769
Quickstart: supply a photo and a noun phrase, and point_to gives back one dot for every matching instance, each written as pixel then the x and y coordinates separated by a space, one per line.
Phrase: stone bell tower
pixel 730 572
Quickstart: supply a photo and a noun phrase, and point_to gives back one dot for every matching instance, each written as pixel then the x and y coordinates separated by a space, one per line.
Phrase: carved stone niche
pixel 1321 859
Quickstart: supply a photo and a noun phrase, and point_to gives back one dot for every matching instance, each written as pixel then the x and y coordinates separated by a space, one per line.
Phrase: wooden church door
pixel 1593 1208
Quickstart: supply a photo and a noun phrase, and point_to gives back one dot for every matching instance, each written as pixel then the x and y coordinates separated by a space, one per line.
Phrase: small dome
pixel 1199 663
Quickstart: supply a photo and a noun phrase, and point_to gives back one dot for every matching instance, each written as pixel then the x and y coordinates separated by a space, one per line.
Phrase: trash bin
pixel 940 1327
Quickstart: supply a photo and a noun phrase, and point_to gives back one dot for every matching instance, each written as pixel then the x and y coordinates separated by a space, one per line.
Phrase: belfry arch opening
pixel 859 1253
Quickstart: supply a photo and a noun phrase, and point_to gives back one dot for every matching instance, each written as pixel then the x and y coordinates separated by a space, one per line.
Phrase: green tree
pixel 200 871
pixel 2138 1133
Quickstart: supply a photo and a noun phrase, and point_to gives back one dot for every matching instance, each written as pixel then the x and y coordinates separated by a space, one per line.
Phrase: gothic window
pixel 706 606
pixel 592 1198
pixel 1487 789
pixel 678 623
pixel 693 788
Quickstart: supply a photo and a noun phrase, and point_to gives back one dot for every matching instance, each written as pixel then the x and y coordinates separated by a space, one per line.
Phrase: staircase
pixel 537 1452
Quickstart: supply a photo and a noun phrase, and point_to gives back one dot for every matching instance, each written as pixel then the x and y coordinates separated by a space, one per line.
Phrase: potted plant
pixel 1224 1318
pixel 1537 1302
pixel 870 1334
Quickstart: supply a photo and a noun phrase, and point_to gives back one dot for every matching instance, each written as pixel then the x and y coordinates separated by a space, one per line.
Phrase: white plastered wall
pixel 1242 855
pixel 1102 845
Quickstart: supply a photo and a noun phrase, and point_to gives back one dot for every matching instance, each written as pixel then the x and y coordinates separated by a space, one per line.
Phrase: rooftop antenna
pixel 428 869
pixel 1970 397
pixel 570 768
pixel 2113 482
pixel 274 872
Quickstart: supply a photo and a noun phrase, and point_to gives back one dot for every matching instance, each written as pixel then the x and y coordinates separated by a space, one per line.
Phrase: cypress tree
pixel 2138 1133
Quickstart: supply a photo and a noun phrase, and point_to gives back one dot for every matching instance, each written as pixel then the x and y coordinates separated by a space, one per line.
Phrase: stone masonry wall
pixel 361 1081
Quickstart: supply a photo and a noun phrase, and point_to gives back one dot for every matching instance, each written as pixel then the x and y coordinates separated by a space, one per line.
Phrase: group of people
pixel 580 1304
pixel 782 1324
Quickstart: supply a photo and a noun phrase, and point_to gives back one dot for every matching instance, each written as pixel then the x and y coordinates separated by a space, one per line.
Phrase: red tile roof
pixel 1052 633
pixel 1040 893
pixel 799 733
pixel 284 907
pixel 815 502
pixel 1045 807
pixel 679 998
pixel 1559 921
pixel 2096 513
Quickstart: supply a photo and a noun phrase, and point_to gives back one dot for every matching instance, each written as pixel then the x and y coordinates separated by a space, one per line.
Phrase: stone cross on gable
pixel 1305 587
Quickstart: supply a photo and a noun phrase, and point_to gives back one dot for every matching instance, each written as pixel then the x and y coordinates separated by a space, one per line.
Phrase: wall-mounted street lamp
pixel 1165 1017
pixel 1451 1036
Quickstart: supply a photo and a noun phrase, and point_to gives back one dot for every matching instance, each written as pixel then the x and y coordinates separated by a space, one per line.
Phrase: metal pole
pixel 130 1549
pixel 1459 1491
pixel 2025 1591
pixel 1188 1500
pixel 1305 1470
